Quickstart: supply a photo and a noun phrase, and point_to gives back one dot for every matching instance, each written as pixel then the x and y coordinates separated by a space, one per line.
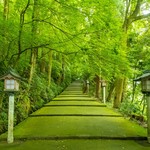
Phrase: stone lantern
pixel 11 81
pixel 11 85
pixel 145 88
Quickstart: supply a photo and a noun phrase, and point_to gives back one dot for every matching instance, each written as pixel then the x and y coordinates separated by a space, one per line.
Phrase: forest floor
pixel 74 121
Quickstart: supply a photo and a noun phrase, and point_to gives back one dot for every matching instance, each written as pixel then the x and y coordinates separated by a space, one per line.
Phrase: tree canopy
pixel 53 42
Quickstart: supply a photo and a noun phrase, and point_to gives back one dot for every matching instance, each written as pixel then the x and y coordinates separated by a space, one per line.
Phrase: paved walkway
pixel 74 121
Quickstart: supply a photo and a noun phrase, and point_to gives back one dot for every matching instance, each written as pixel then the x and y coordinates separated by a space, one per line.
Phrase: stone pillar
pixel 148 118
pixel 10 137
pixel 104 94
pixel 88 86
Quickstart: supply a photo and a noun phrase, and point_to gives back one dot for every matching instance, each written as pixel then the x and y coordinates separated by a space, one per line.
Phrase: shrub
pixel 128 108
pixel 3 121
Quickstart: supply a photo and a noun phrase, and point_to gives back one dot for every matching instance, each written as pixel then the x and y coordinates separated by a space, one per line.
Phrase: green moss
pixel 76 110
pixel 78 126
pixel 75 102
pixel 75 145
pixel 53 127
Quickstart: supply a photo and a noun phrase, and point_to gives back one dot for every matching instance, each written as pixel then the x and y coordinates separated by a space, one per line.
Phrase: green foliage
pixel 22 106
pixel 27 101
pixel 55 89
pixel 85 37
pixel 129 108
pixel 38 94
pixel 3 120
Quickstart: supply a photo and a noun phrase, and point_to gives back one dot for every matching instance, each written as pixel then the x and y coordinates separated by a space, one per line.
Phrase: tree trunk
pixel 124 89
pixel 98 86
pixel 118 92
pixel 34 51
pixel 129 18
pixel 43 63
pixel 112 88
pixel 50 67
pixel 62 71
pixel 22 17
pixel 133 90
pixel 63 68
pixel 119 83
pixel 4 44
pixel 1 102
pixel 6 9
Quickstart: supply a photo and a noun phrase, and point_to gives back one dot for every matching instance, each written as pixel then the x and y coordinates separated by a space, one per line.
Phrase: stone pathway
pixel 74 121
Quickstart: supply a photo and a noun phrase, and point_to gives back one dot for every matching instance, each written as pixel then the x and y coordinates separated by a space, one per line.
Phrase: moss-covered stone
pixel 76 145
pixel 68 117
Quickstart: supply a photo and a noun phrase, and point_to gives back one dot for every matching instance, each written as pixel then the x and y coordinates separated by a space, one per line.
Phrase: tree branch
pixel 134 16
pixel 44 20
pixel 137 9
pixel 40 46
pixel 29 48
pixel 21 27
pixel 141 17
pixel 128 3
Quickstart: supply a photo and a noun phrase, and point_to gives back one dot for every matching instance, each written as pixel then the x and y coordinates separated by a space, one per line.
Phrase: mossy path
pixel 74 121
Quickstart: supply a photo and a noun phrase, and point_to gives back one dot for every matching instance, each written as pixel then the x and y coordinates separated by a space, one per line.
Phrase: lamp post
pixel 145 85
pixel 11 85
pixel 104 91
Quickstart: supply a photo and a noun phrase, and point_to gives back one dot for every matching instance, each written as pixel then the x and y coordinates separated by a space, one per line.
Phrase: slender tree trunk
pixel 112 88
pixel 59 58
pixel 62 71
pixel 43 63
pixel 34 51
pixel 1 101
pixel 50 67
pixel 6 9
pixel 33 63
pixel 63 68
pixel 118 92
pixel 120 81
pixel 124 89
pixel 22 18
pixel 98 86
pixel 4 44
pixel 133 90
